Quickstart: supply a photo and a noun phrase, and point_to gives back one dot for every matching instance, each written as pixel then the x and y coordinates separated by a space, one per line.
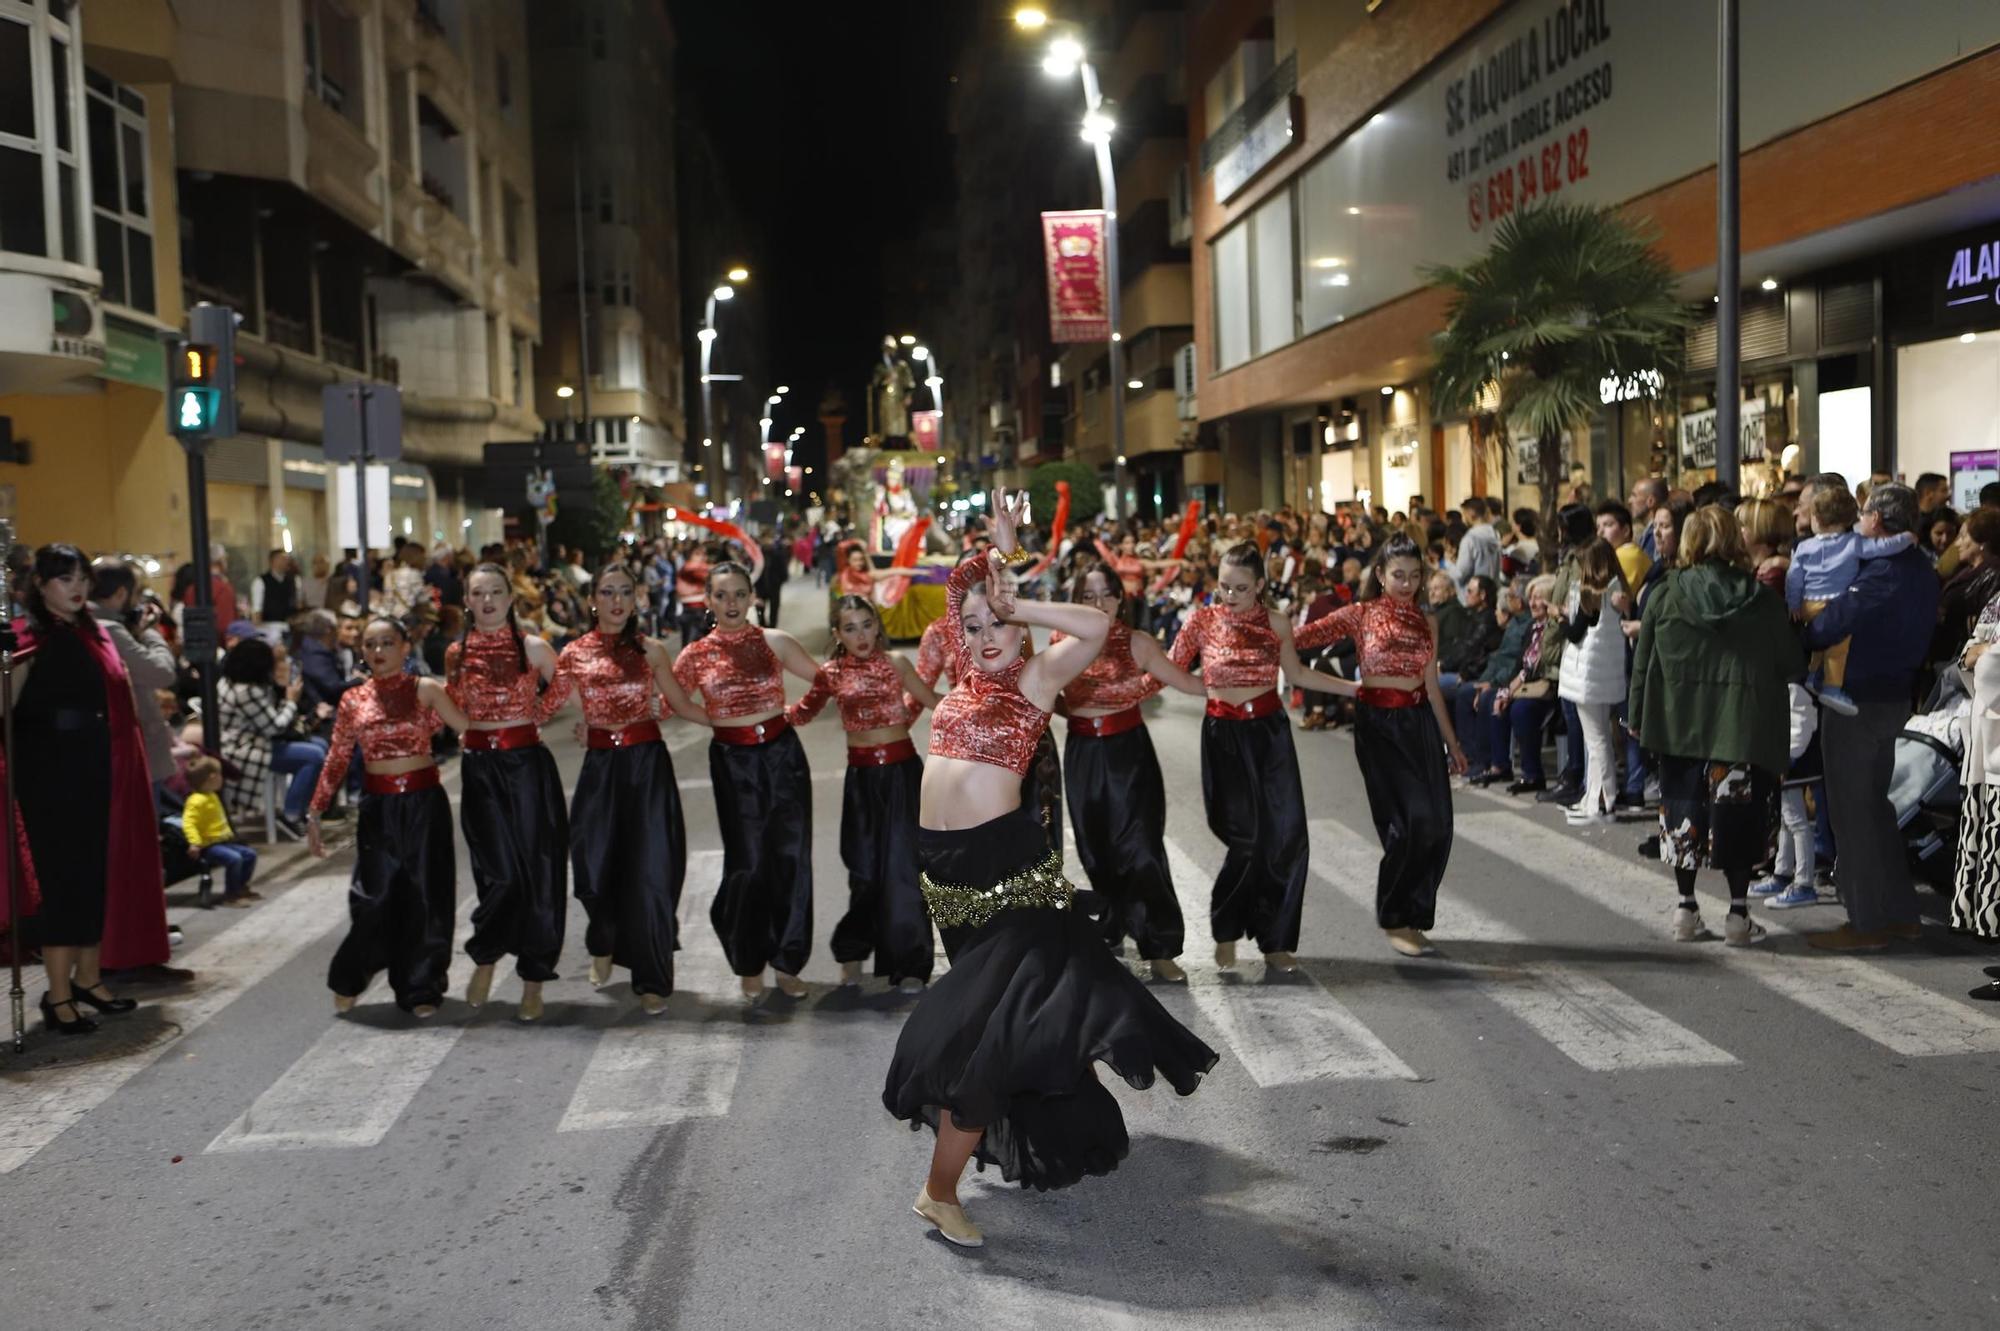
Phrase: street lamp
pixel 706 335
pixel 739 274
pixel 1067 57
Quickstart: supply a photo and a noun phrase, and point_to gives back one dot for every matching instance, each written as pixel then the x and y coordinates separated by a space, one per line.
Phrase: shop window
pixel 121 204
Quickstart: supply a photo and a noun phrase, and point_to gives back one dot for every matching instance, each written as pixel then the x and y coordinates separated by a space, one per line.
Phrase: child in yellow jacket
pixel 211 838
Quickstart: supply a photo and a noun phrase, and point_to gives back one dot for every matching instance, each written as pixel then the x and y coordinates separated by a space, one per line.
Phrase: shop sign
pixel 1646 383
pixel 1970 472
pixel 1971 287
pixel 1275 133
pixel 133 354
pixel 1079 290
pixel 1698 434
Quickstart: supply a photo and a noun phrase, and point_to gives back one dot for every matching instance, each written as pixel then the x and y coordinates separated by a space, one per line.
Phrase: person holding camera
pixel 130 618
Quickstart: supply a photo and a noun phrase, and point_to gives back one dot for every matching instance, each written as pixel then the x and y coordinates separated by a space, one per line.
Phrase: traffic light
pixel 201 402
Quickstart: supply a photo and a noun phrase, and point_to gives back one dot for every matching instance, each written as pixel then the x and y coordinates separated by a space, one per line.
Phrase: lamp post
pixel 706 335
pixel 1067 57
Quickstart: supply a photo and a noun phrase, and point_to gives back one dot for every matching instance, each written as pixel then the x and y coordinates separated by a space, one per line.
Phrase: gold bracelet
pixel 1019 556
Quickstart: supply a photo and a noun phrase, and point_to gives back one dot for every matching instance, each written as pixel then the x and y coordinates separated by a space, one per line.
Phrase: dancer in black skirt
pixel 405 890
pixel 763 787
pixel 1403 738
pixel 511 806
pixel 878 693
pixel 1249 770
pixel 627 846
pixel 1117 798
pixel 998 1056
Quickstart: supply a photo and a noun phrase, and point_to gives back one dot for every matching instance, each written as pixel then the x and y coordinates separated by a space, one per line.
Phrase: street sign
pixel 360 417
pixel 198 641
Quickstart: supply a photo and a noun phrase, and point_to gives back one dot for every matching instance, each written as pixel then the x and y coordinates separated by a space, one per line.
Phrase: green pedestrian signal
pixel 194 410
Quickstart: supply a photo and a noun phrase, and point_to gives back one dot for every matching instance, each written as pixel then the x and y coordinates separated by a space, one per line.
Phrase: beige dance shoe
pixel 850 974
pixel 1410 942
pixel 950 1220
pixel 343 1004
pixel 1166 968
pixel 424 1011
pixel 753 987
pixel 600 972
pixel 911 986
pixel 1282 962
pixel 479 987
pixel 652 1004
pixel 791 986
pixel 1225 956
pixel 531 1001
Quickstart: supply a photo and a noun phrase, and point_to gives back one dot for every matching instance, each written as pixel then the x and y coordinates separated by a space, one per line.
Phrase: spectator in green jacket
pixel 1709 696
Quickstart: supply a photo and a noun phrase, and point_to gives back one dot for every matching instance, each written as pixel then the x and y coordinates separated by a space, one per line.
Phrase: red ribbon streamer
pixel 889 591
pixel 728 531
pixel 1049 555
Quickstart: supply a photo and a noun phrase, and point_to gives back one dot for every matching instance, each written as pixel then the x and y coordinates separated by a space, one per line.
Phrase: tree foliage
pixel 1565 297
pixel 594 527
pixel 1086 492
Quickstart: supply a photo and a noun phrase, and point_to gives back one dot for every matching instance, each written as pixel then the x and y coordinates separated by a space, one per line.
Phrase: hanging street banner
pixel 1079 289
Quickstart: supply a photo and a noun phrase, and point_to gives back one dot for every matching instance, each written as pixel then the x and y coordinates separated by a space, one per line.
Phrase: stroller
pixel 1924 788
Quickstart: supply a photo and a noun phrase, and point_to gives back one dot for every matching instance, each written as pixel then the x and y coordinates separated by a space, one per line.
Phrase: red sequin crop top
pixel 735 672
pixel 985 718
pixel 384 717
pixel 1235 652
pixel 1391 637
pixel 1113 681
pixel 935 658
pixel 616 683
pixel 868 690
pixel 484 675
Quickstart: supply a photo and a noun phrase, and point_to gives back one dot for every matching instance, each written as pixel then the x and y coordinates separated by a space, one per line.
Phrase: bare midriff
pixel 1236 697
pixel 749 719
pixel 876 738
pixel 958 793
pixel 398 766
pixel 1402 682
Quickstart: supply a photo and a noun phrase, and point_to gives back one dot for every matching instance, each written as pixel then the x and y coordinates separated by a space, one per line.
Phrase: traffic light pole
pixel 198 635
pixel 367 568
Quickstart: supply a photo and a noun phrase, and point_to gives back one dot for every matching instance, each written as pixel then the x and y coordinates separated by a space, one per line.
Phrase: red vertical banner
pixel 1079 290
pixel 924 432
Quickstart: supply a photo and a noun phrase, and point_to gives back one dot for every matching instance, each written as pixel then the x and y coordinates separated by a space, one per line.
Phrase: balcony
pixel 340 164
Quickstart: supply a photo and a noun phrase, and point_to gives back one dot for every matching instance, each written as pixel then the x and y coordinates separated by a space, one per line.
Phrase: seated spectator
pixel 210 837
pixel 262 734
pixel 1482 728
pixel 1462 653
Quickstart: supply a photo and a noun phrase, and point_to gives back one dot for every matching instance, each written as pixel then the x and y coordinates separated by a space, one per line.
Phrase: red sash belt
pixel 526 735
pixel 761 733
pixel 1262 705
pixel 880 755
pixel 1114 723
pixel 401 783
pixel 1373 697
pixel 639 732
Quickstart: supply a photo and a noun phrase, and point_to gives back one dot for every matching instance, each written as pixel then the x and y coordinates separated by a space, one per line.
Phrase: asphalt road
pixel 1565 1120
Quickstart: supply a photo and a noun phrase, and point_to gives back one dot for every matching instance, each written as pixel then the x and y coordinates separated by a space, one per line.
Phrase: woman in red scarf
pixel 88 811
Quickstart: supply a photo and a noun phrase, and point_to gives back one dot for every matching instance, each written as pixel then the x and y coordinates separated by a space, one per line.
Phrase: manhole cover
pixel 115 1037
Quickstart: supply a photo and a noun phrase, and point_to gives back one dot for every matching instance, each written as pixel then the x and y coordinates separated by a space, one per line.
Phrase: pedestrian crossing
pixel 356 1082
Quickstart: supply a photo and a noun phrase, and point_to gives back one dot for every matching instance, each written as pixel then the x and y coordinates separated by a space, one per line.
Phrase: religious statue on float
pixel 890 388
pixel 895 509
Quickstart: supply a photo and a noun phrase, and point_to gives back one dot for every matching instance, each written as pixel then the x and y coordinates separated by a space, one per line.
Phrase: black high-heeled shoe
pixel 82 1025
pixel 103 1004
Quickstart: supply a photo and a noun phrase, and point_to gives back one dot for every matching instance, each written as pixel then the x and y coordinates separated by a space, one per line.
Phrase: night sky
pixel 821 113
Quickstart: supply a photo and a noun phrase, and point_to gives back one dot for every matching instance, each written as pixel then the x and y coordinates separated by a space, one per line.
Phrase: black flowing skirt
pixel 628 855
pixel 1007 1039
pixel 517 835
pixel 878 844
pixel 1042 790
pixel 65 810
pixel 401 904
pixel 1257 809
pixel 1118 804
pixel 763 799
pixel 1403 768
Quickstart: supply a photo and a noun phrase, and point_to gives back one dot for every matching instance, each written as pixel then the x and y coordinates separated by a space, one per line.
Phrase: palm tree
pixel 1567 296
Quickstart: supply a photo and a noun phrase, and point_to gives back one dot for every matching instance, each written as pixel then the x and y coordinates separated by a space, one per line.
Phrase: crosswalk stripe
pixel 1281 1034
pixel 1864 997
pixel 1591 1021
pixel 235 960
pixel 651 1075
pixel 352 1085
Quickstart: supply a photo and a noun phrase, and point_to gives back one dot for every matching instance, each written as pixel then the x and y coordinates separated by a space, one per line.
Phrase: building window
pixel 1254 270
pixel 333 58
pixel 41 200
pixel 121 203
pixel 510 223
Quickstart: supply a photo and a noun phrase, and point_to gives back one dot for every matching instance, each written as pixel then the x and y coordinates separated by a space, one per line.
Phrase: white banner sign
pixel 378 506
pixel 1698 435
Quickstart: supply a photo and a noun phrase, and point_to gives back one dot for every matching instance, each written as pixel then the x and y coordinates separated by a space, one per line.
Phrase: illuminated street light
pixel 782 389
pixel 1135 383
pixel 565 392
pixel 765 422
pixel 1388 390
pixel 934 382
pixel 907 340
pixel 725 293
pixel 1098 127
pixel 705 335
pixel 920 353
pixel 1031 19
pixel 739 274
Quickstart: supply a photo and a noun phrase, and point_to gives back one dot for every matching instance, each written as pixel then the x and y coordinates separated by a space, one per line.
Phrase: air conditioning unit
pixel 1184 382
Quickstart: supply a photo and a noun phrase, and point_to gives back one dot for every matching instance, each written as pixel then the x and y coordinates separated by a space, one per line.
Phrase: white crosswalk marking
pixel 35 1113
pixel 352 1085
pixel 1281 1034
pixel 654 1074
pixel 1864 997
pixel 1593 1022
